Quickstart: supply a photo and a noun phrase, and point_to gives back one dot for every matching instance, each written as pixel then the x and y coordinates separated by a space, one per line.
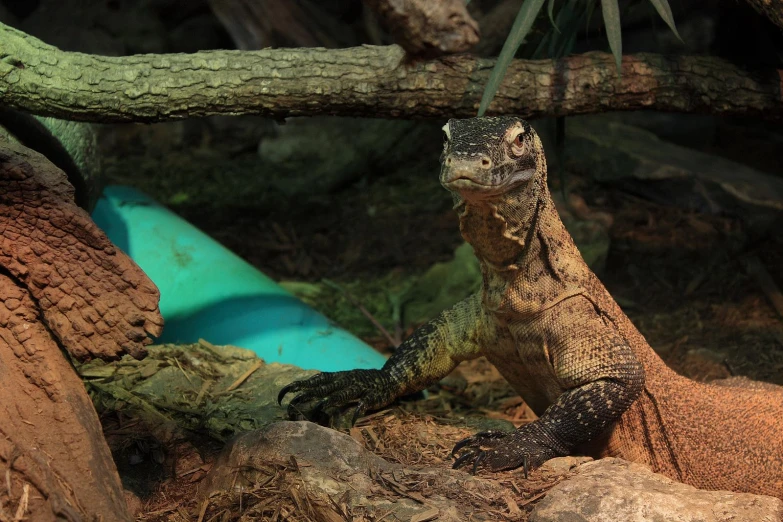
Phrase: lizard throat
pixel 499 230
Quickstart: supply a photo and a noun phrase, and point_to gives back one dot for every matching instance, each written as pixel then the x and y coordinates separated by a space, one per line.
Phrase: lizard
pixel 554 332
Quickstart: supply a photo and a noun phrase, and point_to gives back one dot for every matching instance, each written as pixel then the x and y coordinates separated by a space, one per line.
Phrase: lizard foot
pixel 326 397
pixel 529 447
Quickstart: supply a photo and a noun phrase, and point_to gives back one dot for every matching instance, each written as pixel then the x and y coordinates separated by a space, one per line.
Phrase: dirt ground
pixel 682 278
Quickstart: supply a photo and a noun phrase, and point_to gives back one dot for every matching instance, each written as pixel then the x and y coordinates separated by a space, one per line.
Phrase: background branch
pixel 424 27
pixel 364 81
pixel 772 9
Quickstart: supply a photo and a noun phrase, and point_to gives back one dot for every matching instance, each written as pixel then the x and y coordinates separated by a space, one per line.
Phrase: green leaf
pixel 552 36
pixel 550 9
pixel 611 12
pixel 662 6
pixel 522 24
pixel 559 43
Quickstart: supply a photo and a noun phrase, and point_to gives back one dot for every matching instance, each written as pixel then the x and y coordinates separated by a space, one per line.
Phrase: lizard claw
pixel 459 445
pixel 478 439
pixel 327 398
pixel 479 458
pixel 499 450
pixel 462 459
pixel 286 390
pixel 358 412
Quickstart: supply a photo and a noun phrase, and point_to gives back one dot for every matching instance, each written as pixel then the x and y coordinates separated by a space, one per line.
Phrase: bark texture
pixel 50 437
pixel 426 27
pixel 95 300
pixel 365 81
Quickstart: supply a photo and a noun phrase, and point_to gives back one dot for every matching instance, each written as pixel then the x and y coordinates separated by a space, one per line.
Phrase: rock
pixel 135 504
pixel 562 465
pixel 613 489
pixel 172 397
pixel 333 471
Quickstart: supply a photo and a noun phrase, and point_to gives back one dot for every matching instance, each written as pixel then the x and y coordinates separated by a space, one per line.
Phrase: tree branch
pixel 364 81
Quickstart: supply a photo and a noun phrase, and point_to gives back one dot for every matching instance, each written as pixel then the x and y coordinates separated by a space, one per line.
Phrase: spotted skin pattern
pixel 554 332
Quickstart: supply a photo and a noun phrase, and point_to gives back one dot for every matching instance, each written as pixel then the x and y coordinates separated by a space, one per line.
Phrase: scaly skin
pixel 554 332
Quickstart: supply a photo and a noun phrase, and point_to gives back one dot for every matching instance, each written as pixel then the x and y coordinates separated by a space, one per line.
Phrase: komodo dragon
pixel 554 332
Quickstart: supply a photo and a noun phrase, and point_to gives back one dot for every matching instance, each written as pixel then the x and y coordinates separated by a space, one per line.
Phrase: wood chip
pixel 203 510
pixel 513 507
pixel 21 509
pixel 430 514
pixel 758 271
pixel 202 392
pixel 356 434
pixel 242 378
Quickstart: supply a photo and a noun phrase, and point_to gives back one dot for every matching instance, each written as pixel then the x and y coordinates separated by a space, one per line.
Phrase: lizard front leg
pixel 600 377
pixel 428 355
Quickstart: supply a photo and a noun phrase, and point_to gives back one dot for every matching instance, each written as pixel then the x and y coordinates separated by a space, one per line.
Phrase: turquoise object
pixel 207 291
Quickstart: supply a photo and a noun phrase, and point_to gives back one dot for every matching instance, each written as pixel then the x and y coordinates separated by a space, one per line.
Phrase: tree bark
pixel 93 298
pixel 62 283
pixel 51 442
pixel 427 28
pixel 365 81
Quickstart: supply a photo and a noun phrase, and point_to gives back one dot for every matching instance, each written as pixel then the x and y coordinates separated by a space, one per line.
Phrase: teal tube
pixel 207 291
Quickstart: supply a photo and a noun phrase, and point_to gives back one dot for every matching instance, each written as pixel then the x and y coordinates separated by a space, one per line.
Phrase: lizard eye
pixel 446 135
pixel 519 145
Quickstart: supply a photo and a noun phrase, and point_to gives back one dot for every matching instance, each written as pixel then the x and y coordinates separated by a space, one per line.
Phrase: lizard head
pixel 485 158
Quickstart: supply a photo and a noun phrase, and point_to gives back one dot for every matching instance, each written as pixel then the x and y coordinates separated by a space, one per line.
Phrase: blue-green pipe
pixel 209 292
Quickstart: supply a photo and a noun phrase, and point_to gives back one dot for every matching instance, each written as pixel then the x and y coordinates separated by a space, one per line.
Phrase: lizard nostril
pixel 486 163
pixel 448 161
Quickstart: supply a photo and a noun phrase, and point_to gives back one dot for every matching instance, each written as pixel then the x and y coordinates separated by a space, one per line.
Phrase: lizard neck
pixel 528 259
pixel 501 230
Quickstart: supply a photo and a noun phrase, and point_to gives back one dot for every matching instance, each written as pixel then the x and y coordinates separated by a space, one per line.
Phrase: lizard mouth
pixel 472 188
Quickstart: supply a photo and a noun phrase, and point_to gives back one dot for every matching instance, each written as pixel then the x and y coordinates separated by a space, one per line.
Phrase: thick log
pixel 365 81
pixel 51 443
pixel 93 298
